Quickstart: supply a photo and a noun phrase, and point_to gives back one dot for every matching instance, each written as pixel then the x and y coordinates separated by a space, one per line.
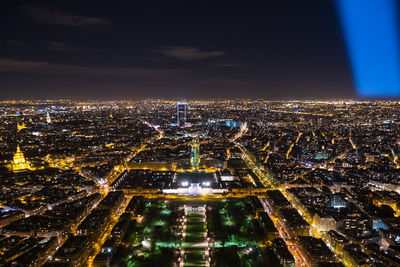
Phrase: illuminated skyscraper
pixel 181 114
pixel 195 157
pixel 19 163
pixel 48 119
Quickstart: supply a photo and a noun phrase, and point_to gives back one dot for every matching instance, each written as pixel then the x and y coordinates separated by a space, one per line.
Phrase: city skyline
pixel 238 183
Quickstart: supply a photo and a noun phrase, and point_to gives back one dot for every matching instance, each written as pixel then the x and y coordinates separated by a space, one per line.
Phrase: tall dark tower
pixel 181 114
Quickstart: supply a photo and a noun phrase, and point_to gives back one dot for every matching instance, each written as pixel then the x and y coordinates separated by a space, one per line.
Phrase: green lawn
pixel 194 234
pixel 194 256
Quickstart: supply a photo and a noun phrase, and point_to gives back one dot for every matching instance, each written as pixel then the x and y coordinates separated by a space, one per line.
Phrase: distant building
pixel 195 157
pixel 354 257
pixel 282 253
pixel 181 114
pixel 338 201
pixel 323 221
pixel 48 119
pixel 20 126
pixel 195 183
pixel 19 163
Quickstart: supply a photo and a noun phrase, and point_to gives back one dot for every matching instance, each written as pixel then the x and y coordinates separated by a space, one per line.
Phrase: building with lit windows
pixel 195 157
pixel 181 114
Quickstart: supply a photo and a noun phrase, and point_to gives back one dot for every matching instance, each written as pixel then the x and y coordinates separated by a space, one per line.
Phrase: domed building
pixel 19 163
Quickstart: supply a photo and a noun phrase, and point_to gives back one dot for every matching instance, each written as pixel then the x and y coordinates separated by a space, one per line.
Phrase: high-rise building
pixel 48 119
pixel 181 114
pixel 19 163
pixel 195 157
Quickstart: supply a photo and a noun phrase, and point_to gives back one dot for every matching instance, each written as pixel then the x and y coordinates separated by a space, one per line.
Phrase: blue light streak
pixel 371 35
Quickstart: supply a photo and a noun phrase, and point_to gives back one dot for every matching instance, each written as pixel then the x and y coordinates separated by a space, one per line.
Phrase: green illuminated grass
pixel 159 223
pixel 194 257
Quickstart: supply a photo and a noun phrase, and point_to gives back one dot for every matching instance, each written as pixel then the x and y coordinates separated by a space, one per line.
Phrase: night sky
pixel 172 49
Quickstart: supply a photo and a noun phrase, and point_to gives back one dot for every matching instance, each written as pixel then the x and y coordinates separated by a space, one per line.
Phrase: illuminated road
pixel 242 131
pixel 313 231
pixel 266 176
pixel 105 235
pixel 283 233
pixel 104 189
pixel 119 169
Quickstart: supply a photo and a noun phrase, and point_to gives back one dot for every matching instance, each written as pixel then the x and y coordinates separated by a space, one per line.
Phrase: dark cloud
pixel 227 65
pixel 48 45
pixel 15 43
pixel 188 53
pixel 48 16
pixel 62 47
pixel 41 67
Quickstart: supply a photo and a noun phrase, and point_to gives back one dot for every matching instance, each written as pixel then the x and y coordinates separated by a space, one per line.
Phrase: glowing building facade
pixel 20 126
pixel 195 157
pixel 48 119
pixel 19 163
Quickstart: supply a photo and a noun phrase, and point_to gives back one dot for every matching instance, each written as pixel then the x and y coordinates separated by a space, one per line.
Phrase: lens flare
pixel 371 35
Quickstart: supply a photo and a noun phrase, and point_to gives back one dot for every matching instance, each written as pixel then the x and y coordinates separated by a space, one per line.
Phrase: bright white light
pixel 185 183
pixel 146 243
pixel 206 183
